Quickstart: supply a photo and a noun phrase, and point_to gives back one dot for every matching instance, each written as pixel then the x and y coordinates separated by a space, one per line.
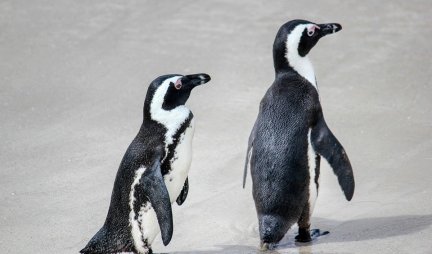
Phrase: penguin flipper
pixel 249 153
pixel 183 194
pixel 326 144
pixel 154 188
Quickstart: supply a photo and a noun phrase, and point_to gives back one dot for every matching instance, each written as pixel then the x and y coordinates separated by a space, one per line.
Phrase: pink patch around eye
pixel 313 27
pixel 178 84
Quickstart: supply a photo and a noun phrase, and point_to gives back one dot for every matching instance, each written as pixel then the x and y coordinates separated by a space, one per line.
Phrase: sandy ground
pixel 73 80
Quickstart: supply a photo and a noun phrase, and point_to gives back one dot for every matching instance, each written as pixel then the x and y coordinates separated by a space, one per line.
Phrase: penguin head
pixel 169 92
pixel 296 38
pixel 179 89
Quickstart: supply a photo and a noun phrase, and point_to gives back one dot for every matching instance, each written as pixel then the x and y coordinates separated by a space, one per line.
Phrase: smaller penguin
pixel 289 138
pixel 153 172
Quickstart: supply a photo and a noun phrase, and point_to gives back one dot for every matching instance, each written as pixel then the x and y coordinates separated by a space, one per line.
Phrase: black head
pixel 296 38
pixel 168 92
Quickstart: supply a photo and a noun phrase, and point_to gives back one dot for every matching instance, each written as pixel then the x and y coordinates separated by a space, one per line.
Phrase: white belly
pixel 180 163
pixel 174 182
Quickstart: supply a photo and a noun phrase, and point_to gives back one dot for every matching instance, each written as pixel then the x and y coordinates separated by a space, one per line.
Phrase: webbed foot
pixel 305 236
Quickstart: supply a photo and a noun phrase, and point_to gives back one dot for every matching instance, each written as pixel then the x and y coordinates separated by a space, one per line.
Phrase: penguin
pixel 153 172
pixel 289 138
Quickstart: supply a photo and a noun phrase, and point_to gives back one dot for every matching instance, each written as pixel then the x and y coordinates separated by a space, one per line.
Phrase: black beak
pixel 329 28
pixel 196 79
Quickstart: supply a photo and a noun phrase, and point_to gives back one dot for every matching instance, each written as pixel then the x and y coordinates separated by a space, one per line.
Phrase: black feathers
pixel 326 144
pixel 289 130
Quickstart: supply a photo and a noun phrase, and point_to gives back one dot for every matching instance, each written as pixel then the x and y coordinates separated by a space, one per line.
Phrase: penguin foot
pixel 264 247
pixel 315 233
pixel 305 236
pixel 267 246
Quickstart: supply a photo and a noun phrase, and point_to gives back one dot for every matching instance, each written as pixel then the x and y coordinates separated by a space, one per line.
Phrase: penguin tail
pixel 97 245
pixel 105 242
pixel 272 229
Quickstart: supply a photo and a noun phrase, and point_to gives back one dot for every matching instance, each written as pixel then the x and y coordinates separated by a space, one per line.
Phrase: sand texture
pixel 73 77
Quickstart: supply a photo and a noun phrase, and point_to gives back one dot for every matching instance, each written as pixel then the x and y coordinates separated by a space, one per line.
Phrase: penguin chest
pixel 174 181
pixel 180 163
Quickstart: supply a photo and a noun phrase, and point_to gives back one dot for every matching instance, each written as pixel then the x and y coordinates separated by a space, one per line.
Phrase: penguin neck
pixel 287 59
pixel 302 65
pixel 171 119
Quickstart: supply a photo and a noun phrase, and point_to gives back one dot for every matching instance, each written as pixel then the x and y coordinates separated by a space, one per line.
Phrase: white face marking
pixel 136 230
pixel 171 119
pixel 313 192
pixel 300 64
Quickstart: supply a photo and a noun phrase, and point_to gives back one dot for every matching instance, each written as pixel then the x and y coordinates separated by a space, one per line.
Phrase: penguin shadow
pixel 371 228
pixel 230 249
pixel 359 230
pixel 349 231
pixel 243 249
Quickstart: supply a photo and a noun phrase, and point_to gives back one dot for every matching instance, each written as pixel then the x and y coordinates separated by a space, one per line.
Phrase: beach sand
pixel 74 75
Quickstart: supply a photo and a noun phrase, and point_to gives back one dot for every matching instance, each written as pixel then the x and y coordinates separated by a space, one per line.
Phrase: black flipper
pixel 183 194
pixel 248 154
pixel 155 189
pixel 326 144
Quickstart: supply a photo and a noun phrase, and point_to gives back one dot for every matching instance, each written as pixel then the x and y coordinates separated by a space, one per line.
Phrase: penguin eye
pixel 178 84
pixel 311 30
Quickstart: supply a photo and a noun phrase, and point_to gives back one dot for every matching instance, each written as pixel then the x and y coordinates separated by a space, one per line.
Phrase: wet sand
pixel 73 79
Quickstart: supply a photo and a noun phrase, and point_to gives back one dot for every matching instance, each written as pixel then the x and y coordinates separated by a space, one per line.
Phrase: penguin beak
pixel 194 80
pixel 329 28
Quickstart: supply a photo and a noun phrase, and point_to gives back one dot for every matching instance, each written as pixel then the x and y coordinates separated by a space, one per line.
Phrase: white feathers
pixel 171 119
pixel 300 64
pixel 249 155
pixel 180 163
pixel 136 230
pixel 149 224
pixel 313 190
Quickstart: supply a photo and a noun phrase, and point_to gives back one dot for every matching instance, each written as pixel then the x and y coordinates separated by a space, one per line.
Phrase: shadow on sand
pixel 355 230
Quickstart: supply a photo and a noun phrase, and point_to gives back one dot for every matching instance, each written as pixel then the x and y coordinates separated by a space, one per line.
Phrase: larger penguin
pixel 289 137
pixel 153 172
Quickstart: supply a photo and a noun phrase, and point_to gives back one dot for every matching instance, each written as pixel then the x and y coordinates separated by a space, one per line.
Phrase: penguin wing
pixel 153 186
pixel 183 194
pixel 249 153
pixel 326 144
